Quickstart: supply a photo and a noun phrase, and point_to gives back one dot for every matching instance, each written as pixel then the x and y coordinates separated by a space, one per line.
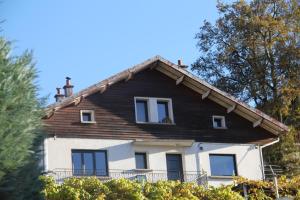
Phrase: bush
pixel 91 188
pixel 266 190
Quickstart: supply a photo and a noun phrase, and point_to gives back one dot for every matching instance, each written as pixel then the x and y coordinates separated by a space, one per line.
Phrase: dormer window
pixel 87 116
pixel 153 110
pixel 219 122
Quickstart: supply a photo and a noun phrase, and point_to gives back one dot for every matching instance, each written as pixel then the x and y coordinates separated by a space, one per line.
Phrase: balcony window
pixel 140 161
pixel 89 163
pixel 222 165
pixel 153 110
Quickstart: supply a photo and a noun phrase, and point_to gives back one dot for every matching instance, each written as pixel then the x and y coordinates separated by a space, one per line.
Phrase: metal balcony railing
pixel 272 171
pixel 152 176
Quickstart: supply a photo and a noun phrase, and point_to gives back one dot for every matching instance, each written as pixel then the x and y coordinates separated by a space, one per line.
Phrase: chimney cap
pixel 68 83
pixel 181 65
pixel 58 90
pixel 58 96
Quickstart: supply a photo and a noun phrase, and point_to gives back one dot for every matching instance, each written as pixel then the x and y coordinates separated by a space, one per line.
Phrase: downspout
pixel 45 154
pixel 261 155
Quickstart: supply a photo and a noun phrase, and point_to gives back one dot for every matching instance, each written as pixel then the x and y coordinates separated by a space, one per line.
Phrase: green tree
pixel 253 51
pixel 20 124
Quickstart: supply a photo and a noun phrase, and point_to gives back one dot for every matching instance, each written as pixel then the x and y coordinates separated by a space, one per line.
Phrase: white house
pixel 156 121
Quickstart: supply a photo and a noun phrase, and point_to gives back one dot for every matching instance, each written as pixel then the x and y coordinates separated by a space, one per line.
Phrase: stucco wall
pixel 120 155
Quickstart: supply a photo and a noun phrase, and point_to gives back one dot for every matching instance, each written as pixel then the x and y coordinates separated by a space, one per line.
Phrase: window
pixel 153 110
pixel 87 116
pixel 142 110
pixel 140 161
pixel 219 122
pixel 222 165
pixel 89 162
pixel 163 112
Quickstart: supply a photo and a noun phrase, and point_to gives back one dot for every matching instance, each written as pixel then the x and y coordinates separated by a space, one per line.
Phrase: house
pixel 156 121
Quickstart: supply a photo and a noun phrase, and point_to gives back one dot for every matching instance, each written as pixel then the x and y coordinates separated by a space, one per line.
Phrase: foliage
pixel 20 122
pixel 91 188
pixel 286 151
pixel 124 189
pixel 266 189
pixel 252 51
pixel 121 189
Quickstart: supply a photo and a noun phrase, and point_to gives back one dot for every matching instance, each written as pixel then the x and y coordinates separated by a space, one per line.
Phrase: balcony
pixel 152 176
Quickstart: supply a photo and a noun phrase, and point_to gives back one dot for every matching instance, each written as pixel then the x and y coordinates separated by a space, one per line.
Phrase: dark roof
pixel 181 76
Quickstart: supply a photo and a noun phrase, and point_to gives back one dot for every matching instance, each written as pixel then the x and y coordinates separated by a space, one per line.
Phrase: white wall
pixel 121 155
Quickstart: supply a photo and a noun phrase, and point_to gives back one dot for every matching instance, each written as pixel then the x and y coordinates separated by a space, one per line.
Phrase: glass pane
pixel 217 122
pixel 101 165
pixel 222 165
pixel 163 113
pixel 142 111
pixel 140 161
pixel 76 163
pixel 88 163
pixel 87 117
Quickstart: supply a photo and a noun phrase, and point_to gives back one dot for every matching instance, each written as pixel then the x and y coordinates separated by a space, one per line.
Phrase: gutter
pixel 271 143
pixel 261 155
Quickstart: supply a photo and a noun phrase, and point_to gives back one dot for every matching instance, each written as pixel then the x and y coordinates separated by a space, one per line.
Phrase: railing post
pixel 276 187
pixel 275 182
pixel 245 192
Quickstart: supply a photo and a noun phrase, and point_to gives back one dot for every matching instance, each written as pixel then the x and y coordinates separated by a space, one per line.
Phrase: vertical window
pixel 142 111
pixel 77 163
pixel 87 116
pixel 219 122
pixel 140 161
pixel 163 112
pixel 222 165
pixel 88 163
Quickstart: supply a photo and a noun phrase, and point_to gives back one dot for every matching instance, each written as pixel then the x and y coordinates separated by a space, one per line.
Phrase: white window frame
pixel 92 112
pixel 223 121
pixel 152 109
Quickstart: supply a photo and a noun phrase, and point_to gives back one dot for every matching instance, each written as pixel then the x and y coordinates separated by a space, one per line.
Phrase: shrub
pixel 91 188
pixel 266 190
pixel 124 189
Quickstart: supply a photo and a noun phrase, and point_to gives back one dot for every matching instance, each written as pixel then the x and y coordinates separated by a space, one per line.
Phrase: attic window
pixel 153 110
pixel 87 116
pixel 219 122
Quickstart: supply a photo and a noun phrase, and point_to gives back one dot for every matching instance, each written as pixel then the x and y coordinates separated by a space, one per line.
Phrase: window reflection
pixel 222 165
pixel 89 163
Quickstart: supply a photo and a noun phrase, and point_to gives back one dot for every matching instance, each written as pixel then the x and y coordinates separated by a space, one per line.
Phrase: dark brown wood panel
pixel 115 114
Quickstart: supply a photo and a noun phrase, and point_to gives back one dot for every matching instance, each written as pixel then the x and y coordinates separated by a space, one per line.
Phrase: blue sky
pixel 91 40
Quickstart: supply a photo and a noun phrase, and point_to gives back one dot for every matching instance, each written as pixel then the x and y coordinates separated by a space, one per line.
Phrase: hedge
pixel 91 188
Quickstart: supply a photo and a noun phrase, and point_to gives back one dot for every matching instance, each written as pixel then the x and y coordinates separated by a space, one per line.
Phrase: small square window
pixel 219 122
pixel 87 116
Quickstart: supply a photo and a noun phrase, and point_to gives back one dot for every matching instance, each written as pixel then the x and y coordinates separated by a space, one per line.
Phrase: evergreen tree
pixel 20 125
pixel 253 52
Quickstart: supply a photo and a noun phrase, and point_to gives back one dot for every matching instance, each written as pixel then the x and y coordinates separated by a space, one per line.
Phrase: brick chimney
pixel 68 87
pixel 182 66
pixel 58 96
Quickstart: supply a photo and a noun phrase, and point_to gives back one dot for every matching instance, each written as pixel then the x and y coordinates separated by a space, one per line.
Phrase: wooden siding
pixel 115 114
